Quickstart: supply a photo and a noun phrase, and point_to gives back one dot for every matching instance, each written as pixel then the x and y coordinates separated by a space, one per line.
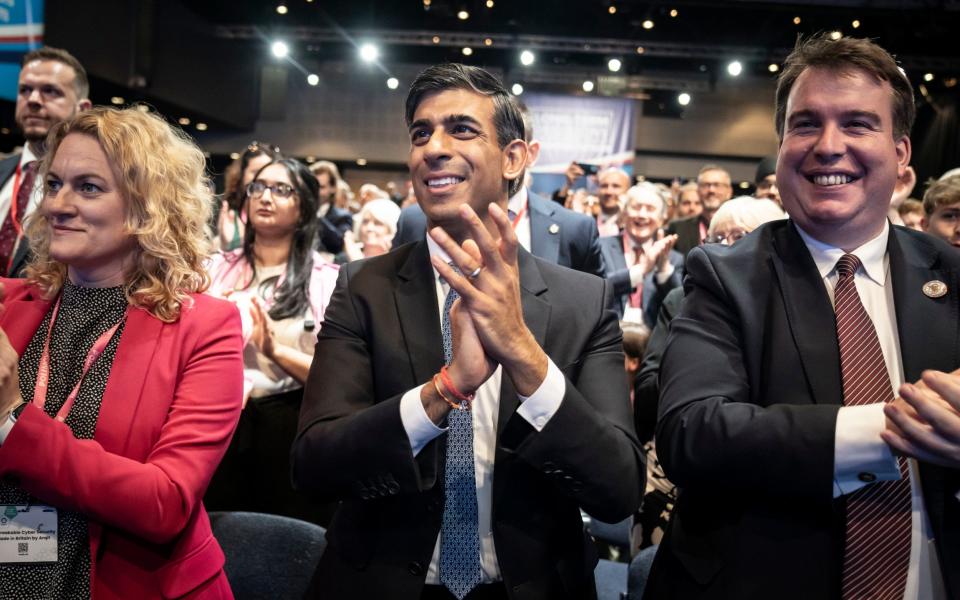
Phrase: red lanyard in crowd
pixel 43 373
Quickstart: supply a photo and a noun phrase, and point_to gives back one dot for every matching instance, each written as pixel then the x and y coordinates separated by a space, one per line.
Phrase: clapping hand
pixel 924 422
pixel 489 288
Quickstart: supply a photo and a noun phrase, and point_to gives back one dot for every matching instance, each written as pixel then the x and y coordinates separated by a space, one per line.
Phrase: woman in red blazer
pixel 120 383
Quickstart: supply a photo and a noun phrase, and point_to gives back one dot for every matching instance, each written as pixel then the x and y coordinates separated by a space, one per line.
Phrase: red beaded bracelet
pixel 448 383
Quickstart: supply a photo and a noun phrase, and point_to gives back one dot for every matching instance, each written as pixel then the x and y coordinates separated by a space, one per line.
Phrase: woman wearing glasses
pixel 282 288
pixel 237 177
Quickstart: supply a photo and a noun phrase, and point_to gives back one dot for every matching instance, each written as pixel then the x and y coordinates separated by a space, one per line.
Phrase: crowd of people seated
pixel 446 372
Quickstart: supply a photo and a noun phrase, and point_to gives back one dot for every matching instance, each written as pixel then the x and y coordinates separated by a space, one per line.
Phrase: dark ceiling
pixel 922 34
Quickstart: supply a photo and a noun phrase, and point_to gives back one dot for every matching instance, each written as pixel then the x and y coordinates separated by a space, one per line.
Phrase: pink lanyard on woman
pixel 43 373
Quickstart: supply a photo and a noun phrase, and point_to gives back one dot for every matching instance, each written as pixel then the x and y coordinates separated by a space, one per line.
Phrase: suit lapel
pixel 416 300
pixel 128 375
pixel 544 230
pixel 927 326
pixel 536 314
pixel 28 315
pixel 809 314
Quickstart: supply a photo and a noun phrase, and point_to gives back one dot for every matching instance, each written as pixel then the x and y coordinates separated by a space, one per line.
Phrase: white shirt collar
pixel 435 250
pixel 27 156
pixel 871 255
pixel 518 201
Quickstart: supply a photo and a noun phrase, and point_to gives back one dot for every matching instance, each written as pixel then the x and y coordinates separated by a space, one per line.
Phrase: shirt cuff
pixel 5 429
pixel 420 429
pixel 860 455
pixel 539 407
pixel 664 275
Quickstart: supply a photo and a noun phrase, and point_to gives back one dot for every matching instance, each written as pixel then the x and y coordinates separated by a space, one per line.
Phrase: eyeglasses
pixel 255 189
pixel 727 239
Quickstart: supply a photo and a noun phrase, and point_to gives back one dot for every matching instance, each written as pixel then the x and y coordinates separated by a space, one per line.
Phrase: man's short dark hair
pixel 844 55
pixel 507 118
pixel 81 85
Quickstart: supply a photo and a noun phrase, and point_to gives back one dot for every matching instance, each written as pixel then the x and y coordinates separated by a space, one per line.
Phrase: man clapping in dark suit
pixel 813 459
pixel 466 398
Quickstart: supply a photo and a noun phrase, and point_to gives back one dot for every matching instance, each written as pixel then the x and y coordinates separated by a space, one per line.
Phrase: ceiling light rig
pixel 467 50
pixel 517 89
pixel 587 86
pixel 527 58
pixel 928 77
pixel 313 79
pixel 683 99
pixel 614 64
pixel 282 9
pixel 796 20
pixel 773 67
pixel 674 12
pixel 648 24
pixel 612 10
pixel 835 35
pixel 734 68
pixel 463 15
pixel 393 83
pixel 489 3
pixel 855 24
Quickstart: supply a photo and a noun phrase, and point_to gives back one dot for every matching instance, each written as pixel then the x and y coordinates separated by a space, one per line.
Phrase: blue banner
pixel 21 30
pixel 585 129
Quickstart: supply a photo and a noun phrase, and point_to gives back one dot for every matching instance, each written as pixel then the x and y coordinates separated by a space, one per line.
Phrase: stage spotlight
pixel 928 77
pixel 588 86
pixel 393 83
pixel 279 49
pixel 463 15
pixel 683 99
pixel 281 9
pixel 467 50
pixel 313 79
pixel 527 58
pixel 614 64
pixel 648 24
pixel 517 89
pixel 369 53
pixel 735 68
pixel 201 126
pixel 773 67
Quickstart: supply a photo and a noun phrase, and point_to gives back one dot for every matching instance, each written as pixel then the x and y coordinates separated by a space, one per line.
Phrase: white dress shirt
pixel 537 409
pixel 858 447
pixel 6 191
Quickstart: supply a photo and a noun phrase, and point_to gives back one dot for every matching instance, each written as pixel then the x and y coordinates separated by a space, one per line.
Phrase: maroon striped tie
pixel 877 553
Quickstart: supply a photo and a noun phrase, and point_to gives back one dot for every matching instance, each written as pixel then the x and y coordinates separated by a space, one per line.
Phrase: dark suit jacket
pixel 618 274
pixel 646 386
pixel 557 234
pixel 688 234
pixel 331 228
pixel 380 338
pixel 21 254
pixel 750 388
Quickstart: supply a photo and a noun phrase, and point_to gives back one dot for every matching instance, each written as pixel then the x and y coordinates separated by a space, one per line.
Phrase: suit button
pixel 364 495
pixel 393 487
pixel 867 477
pixel 548 466
pixel 415 568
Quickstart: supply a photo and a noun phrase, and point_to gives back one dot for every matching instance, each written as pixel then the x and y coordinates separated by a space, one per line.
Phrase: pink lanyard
pixel 43 373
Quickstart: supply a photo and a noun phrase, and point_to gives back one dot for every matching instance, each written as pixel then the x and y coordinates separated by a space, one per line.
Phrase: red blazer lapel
pixel 128 376
pixel 20 320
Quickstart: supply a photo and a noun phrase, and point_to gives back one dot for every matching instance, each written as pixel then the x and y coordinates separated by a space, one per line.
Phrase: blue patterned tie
pixel 459 537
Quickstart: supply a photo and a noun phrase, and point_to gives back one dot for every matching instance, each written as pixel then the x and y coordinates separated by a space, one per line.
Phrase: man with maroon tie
pixel 52 87
pixel 810 463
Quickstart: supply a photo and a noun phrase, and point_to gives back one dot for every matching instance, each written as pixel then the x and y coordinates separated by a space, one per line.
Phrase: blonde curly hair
pixel 160 172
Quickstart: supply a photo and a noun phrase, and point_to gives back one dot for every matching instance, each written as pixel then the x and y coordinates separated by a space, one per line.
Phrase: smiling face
pixel 274 213
pixel 713 188
pixel 455 158
pixel 643 215
pixel 45 96
pixel 86 213
pixel 839 160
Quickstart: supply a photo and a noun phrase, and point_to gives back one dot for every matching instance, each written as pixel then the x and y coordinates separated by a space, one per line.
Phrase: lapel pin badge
pixel 554 228
pixel 935 289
